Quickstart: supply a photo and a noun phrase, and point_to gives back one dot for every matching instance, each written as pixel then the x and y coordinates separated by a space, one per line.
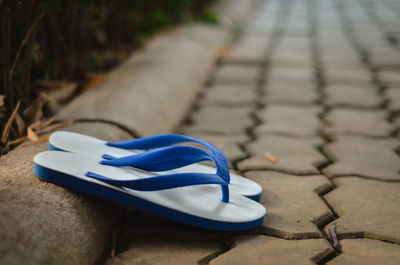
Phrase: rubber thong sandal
pixel 191 198
pixel 80 143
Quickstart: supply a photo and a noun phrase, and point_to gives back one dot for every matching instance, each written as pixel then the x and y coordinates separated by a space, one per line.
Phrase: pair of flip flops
pixel 166 180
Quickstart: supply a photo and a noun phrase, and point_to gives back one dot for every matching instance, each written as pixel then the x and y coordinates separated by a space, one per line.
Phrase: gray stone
pixel 284 76
pixel 393 95
pixel 145 225
pixel 292 59
pixel 163 251
pixel 353 96
pixel 367 208
pixel 347 77
pixel 390 78
pixel 100 130
pixel 221 120
pixel 237 74
pixel 367 252
pixel 234 12
pixel 254 250
pixel 294 208
pixel 249 48
pixel 152 90
pixel 230 95
pixel 386 60
pixel 228 144
pixel 372 158
pixel 293 155
pixel 46 224
pixel 341 60
pixel 291 94
pixel 281 119
pixel 364 122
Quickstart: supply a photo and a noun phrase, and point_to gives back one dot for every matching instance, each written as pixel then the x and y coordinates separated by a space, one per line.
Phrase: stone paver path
pixel 316 84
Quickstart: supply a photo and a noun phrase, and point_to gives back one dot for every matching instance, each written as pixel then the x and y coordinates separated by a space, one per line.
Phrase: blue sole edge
pixel 101 191
pixel 255 197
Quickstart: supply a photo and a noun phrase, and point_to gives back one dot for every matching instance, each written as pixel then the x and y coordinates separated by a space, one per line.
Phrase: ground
pixel 316 85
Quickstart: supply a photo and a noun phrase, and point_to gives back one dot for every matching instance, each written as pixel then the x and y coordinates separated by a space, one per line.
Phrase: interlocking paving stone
pixel 146 225
pixel 390 61
pixel 369 208
pixel 237 74
pixel 367 252
pixel 373 158
pixel 221 120
pixel 292 59
pixel 390 78
pixel 163 251
pixel 282 76
pixel 396 121
pixel 293 205
pixel 393 95
pixel 232 95
pixel 354 96
pixel 347 77
pixel 249 47
pixel 293 155
pixel 269 250
pixel 229 144
pixel 302 121
pixel 291 94
pixel 351 121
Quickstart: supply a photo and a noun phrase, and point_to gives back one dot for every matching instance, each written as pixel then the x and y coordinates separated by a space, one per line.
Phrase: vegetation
pixel 54 44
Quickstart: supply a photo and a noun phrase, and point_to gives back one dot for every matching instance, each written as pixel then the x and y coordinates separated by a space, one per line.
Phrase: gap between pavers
pixel 150 93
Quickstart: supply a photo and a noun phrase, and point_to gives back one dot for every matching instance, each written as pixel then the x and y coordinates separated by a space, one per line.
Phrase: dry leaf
pixel 47 122
pixel 34 111
pixel 9 123
pixel 57 126
pixel 2 101
pixel 40 140
pixel 224 51
pixel 32 135
pixel 17 141
pixel 92 83
pixel 20 125
pixel 270 158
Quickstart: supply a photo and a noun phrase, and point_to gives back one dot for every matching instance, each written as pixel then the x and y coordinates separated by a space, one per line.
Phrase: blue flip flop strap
pixel 169 181
pixel 163 140
pixel 162 159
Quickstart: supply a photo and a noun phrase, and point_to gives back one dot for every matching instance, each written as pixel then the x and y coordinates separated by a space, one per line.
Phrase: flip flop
pixel 191 198
pixel 79 143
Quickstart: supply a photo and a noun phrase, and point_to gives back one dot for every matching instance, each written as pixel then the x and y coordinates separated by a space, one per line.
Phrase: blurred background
pixel 52 49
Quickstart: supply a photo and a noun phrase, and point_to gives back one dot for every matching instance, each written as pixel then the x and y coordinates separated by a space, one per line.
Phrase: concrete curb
pixel 152 90
pixel 150 93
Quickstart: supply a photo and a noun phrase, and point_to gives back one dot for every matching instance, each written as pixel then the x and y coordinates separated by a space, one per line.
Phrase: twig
pixel 9 123
pixel 332 233
pixel 270 158
pixel 27 35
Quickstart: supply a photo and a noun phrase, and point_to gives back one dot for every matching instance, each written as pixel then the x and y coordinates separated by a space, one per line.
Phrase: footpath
pixel 306 102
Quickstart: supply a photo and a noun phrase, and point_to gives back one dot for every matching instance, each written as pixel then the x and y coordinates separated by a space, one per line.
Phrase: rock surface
pixel 367 252
pixel 294 208
pixel 254 250
pixel 366 207
pixel 293 155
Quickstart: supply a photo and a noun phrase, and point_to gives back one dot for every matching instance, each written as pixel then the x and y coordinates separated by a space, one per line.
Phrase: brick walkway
pixel 317 85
